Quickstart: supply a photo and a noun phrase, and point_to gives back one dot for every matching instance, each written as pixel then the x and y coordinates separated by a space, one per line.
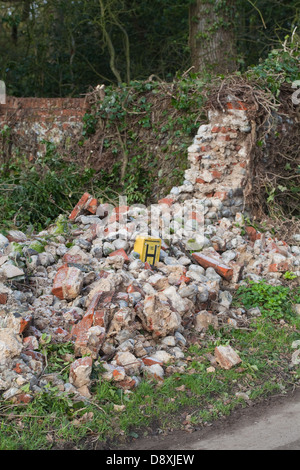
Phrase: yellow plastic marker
pixel 148 248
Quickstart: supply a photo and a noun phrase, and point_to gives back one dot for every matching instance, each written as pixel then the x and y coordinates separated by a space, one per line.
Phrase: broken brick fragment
pixel 22 398
pixel 252 233
pixel 222 195
pixel 184 279
pixel 128 383
pixel 207 261
pixel 118 214
pixel 149 361
pixel 216 174
pixel 18 369
pixel 3 298
pixel 226 357
pixel 25 322
pixel 120 252
pixel 88 203
pixel 167 201
pixel 92 205
pixel 281 267
pixel 67 283
pixel 237 105
pixel 200 181
pixel 79 206
pixel 95 314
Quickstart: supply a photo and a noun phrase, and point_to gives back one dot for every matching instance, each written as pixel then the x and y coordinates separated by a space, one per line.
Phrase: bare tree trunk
pixel 212 37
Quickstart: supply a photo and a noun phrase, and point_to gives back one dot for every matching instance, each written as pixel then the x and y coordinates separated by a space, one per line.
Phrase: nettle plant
pixel 275 302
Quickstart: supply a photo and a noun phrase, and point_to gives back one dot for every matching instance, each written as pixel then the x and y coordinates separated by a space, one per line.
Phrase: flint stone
pixel 4 242
pixel 130 363
pixel 158 318
pixel 10 344
pixel 204 319
pixel 155 371
pixel 10 271
pixel 80 372
pixel 226 357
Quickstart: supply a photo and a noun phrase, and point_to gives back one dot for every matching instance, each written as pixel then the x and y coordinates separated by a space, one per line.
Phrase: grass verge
pixel 184 401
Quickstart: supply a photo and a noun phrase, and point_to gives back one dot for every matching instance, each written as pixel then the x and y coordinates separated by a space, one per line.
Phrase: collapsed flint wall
pixel 221 172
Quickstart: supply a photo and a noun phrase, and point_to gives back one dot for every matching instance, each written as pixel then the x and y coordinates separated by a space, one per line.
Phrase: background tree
pixel 212 36
pixel 62 47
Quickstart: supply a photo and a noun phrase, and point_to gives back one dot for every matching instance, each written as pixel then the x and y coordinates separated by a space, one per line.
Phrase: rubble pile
pixel 81 281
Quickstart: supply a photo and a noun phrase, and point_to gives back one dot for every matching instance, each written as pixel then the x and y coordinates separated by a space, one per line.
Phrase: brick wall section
pixel 32 120
pixel 219 162
pixel 218 155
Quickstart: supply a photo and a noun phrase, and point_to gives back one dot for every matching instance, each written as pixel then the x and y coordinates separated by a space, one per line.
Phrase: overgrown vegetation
pixel 135 143
pixel 274 302
pixel 35 194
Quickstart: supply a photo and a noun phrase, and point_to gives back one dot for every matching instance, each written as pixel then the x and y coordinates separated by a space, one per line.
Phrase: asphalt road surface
pixel 273 425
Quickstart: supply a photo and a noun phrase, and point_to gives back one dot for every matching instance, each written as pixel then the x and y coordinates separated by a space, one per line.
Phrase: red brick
pixel 93 315
pixel 215 129
pixel 116 374
pixel 62 333
pixel 22 398
pixel 79 206
pixel 252 233
pixel 149 361
pixel 100 318
pixel 57 289
pixel 167 201
pixel 87 202
pixel 185 279
pixel 206 261
pixel 118 214
pixel 216 174
pixel 131 289
pixel 282 267
pixel 3 299
pixel 237 105
pixel 67 258
pixel 273 268
pixel 83 325
pixel 36 355
pixel 226 357
pixel 120 252
pixel 226 130
pixel 28 342
pixel 92 206
pixel 222 195
pixel 18 369
pixel 195 216
pixel 25 322
pixel 127 384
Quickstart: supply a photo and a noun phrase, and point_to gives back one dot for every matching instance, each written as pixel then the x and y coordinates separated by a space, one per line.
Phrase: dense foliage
pixel 61 47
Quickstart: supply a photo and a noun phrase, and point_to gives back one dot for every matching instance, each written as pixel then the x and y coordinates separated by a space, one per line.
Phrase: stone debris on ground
pixel 86 285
